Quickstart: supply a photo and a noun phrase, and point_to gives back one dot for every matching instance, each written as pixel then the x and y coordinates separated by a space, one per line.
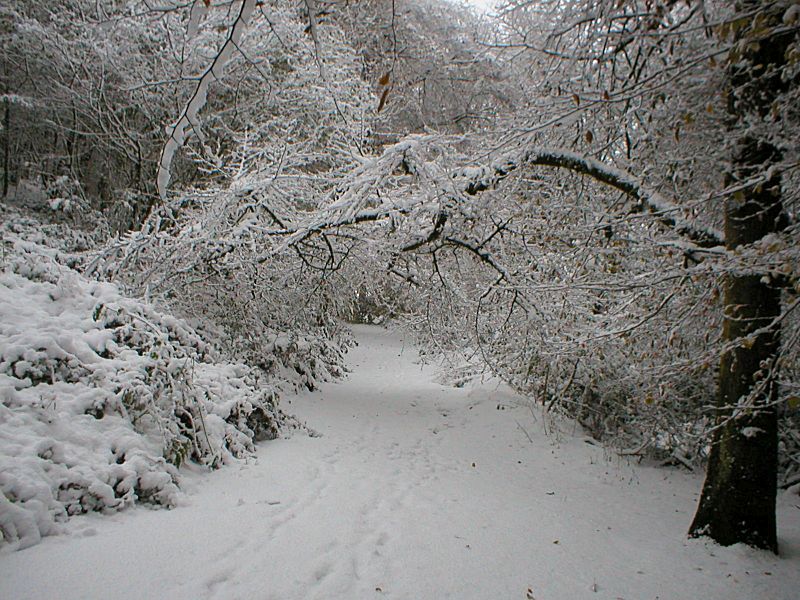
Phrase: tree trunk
pixel 6 147
pixel 738 499
pixel 737 504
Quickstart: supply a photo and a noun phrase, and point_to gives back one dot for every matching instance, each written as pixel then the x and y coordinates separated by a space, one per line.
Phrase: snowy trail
pixel 414 491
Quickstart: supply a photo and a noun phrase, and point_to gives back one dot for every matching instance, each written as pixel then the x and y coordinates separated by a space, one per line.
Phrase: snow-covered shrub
pixel 192 256
pixel 63 222
pixel 103 396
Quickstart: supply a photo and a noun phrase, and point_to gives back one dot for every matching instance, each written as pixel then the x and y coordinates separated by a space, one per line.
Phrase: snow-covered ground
pixel 414 491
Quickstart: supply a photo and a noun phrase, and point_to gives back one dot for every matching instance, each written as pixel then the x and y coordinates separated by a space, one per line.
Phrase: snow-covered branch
pixel 188 118
pixel 667 212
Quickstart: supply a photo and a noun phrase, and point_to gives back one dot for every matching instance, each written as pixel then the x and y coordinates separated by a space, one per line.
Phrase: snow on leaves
pixel 103 396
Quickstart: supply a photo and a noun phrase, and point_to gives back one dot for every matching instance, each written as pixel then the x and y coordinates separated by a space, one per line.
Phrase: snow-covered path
pixel 414 491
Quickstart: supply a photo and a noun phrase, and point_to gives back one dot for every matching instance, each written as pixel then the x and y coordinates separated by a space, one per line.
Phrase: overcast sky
pixel 484 5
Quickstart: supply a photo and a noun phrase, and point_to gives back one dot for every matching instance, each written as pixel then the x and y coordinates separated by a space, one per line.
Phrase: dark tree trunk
pixel 738 499
pixel 6 147
pixel 737 504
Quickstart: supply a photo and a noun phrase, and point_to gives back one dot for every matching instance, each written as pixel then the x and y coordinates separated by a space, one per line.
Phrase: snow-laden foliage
pixel 57 217
pixel 203 256
pixel 103 396
pixel 278 128
pixel 607 316
pixel 565 202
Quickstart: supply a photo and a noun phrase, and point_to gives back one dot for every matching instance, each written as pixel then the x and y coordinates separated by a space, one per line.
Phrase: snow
pixel 102 395
pixel 791 15
pixel 189 118
pixel 415 490
pixel 751 432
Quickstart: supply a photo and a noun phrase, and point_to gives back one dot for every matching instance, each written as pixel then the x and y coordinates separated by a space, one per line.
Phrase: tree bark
pixel 6 147
pixel 737 504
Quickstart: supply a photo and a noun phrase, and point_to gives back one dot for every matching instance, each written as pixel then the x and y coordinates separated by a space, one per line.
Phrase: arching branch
pixel 667 212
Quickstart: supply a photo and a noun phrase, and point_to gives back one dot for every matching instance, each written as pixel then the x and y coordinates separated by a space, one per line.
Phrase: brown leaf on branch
pixel 382 103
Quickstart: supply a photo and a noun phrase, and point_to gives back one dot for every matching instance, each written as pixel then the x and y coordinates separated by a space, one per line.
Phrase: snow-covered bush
pixel 205 257
pixel 103 396
pixel 55 218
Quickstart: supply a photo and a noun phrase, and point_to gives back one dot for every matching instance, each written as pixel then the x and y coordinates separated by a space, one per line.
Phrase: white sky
pixel 482 5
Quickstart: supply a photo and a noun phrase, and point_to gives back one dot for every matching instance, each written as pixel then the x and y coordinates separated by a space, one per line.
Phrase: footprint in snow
pixel 322 572
pixel 212 583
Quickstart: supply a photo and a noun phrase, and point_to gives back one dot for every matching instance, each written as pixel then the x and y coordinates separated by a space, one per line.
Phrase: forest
pixel 591 202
